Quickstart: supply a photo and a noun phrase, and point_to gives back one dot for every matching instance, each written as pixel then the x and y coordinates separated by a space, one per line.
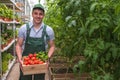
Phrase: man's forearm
pixel 19 52
pixel 51 51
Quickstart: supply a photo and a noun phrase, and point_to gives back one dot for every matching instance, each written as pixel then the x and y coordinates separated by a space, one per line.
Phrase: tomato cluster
pixel 32 59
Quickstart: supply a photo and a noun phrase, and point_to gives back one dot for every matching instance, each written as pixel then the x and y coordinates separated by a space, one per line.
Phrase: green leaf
pixel 93 6
pixel 68 18
pixel 101 44
pixel 93 27
pixel 102 61
pixel 108 56
pixel 95 57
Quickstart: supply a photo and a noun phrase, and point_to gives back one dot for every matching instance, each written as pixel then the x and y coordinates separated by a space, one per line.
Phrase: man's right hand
pixel 20 63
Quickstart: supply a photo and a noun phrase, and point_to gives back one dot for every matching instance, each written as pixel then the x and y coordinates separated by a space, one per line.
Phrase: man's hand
pixel 20 63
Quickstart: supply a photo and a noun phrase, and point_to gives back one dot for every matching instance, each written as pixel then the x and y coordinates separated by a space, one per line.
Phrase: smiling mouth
pixel 38 19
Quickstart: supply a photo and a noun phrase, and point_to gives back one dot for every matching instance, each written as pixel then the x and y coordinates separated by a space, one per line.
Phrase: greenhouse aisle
pixel 14 74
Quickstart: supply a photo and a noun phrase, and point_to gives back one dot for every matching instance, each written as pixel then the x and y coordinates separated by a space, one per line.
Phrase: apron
pixel 33 45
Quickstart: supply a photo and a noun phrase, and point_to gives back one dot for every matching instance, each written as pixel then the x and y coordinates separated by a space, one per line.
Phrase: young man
pixel 34 37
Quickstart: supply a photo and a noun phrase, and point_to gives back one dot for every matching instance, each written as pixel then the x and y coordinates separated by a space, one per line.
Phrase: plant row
pixel 7 14
pixel 7 35
pixel 6 59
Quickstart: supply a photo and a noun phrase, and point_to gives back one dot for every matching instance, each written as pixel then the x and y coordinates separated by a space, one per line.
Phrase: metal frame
pixel 11 4
pixel 0 55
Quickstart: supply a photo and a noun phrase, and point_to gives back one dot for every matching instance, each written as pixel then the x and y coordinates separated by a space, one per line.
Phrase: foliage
pixel 90 28
pixel 6 12
pixel 5 61
pixel 42 55
pixel 2 9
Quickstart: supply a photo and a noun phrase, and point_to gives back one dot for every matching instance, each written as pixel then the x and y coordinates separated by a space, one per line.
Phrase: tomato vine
pixel 90 28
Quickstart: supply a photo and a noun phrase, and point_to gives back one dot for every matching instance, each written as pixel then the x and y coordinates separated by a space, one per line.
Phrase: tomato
pixel 30 62
pixel 33 58
pixel 41 62
pixel 36 61
pixel 26 58
pixel 34 54
pixel 30 55
pixel 25 63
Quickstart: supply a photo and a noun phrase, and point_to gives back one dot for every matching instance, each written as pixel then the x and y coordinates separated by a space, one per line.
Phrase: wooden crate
pixel 58 74
pixel 34 69
pixel 62 79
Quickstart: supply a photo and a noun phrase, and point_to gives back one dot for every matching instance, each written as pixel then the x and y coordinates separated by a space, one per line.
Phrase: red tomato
pixel 41 62
pixel 34 54
pixel 25 63
pixel 30 55
pixel 33 58
pixel 31 62
pixel 36 62
pixel 26 58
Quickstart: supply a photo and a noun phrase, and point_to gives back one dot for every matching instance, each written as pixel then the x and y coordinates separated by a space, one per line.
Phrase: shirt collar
pixel 31 25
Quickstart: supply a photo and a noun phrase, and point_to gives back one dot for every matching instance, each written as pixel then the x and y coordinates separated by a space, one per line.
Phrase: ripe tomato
pixel 25 63
pixel 26 58
pixel 30 62
pixel 30 55
pixel 34 54
pixel 41 62
pixel 36 61
pixel 33 58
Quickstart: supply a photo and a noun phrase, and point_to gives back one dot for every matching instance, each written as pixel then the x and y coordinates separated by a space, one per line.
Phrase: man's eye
pixel 40 14
pixel 35 13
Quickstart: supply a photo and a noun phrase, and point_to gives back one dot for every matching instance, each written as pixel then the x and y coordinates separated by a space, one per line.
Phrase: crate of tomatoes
pixel 35 63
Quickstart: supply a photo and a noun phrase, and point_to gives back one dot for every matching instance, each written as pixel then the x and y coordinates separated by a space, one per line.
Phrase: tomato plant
pixel 90 28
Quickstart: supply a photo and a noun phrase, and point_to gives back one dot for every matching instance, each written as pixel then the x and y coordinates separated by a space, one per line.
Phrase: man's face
pixel 37 15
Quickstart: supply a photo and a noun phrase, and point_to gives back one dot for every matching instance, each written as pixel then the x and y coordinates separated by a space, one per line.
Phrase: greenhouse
pixel 59 39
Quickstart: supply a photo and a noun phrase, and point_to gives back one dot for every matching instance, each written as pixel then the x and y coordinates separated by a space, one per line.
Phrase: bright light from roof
pixel 32 2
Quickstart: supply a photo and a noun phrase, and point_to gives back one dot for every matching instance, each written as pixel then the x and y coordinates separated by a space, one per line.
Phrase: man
pixel 34 37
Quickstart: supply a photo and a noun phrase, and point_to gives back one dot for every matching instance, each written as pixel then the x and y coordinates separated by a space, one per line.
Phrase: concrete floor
pixel 14 73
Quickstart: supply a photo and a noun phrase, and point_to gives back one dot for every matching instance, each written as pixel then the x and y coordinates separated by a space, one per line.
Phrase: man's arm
pixel 51 48
pixel 19 49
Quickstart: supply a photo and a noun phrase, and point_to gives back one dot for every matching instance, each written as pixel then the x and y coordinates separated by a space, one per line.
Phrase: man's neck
pixel 37 26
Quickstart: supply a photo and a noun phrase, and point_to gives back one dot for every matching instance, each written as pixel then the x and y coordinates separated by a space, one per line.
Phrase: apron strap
pixel 28 31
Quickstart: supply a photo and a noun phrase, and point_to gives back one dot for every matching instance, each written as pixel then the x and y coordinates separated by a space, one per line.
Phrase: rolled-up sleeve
pixel 22 31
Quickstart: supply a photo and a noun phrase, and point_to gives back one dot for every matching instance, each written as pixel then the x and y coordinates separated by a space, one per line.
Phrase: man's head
pixel 38 13
pixel 38 6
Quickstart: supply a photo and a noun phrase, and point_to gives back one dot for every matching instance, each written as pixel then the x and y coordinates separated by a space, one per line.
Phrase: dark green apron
pixel 33 45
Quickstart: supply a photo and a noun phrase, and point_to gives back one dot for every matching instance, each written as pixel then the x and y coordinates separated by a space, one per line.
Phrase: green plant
pixel 5 61
pixel 89 28
pixel 42 55
pixel 5 67
pixel 2 9
pixel 6 12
